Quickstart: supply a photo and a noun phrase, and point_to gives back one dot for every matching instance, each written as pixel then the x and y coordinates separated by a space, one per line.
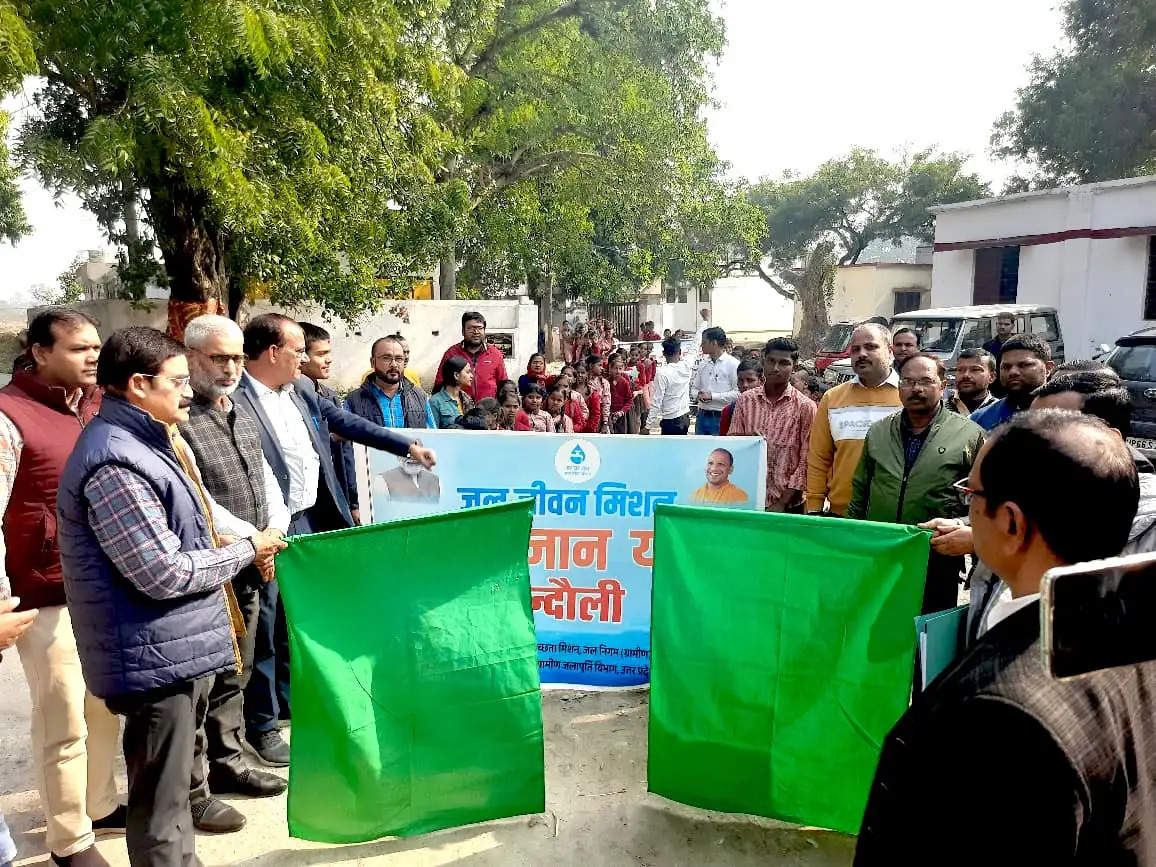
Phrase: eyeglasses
pixel 302 353
pixel 386 359
pixel 926 382
pixel 178 381
pixel 474 328
pixel 967 493
pixel 226 360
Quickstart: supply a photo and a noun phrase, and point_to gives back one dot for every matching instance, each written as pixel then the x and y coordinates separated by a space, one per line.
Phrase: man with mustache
pixel 844 416
pixel 1024 365
pixel 974 374
pixel 51 398
pixel 147 577
pixel 909 466
pixel 227 446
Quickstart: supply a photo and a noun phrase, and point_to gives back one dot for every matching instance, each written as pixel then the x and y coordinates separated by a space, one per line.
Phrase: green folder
pixel 941 637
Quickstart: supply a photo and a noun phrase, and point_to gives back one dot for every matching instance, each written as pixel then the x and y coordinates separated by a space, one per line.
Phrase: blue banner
pixel 591 545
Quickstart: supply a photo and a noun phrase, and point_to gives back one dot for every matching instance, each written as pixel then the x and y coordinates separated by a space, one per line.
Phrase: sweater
pixel 845 414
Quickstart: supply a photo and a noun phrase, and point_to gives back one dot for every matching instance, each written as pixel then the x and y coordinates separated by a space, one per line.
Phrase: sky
pixel 800 82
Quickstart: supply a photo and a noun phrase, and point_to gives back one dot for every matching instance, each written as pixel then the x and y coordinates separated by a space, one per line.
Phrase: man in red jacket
pixel 485 359
pixel 51 397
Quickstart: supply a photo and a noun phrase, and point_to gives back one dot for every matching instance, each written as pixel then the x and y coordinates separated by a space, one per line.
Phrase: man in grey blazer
pixel 295 436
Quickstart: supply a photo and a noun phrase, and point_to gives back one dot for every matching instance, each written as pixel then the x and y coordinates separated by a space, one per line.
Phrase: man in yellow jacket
pixel 846 412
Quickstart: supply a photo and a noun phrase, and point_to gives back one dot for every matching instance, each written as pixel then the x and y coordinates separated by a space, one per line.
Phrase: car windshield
pixel 838 336
pixel 937 336
pixel 1137 363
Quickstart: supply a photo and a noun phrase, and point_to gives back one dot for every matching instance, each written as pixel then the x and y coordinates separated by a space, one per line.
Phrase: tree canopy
pixel 1088 112
pixel 17 59
pixel 828 218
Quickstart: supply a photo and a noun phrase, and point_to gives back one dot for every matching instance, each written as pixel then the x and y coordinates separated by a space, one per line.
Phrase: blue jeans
pixel 708 423
pixel 7 847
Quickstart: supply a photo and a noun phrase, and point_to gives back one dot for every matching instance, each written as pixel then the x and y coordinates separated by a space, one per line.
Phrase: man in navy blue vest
pixel 146 582
pixel 295 438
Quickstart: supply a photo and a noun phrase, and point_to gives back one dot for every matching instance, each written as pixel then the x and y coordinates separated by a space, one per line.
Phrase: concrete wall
pixel 1096 284
pixel 863 291
pixel 429 327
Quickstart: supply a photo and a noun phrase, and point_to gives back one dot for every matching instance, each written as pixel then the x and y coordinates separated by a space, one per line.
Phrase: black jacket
pixel 998 763
pixel 331 511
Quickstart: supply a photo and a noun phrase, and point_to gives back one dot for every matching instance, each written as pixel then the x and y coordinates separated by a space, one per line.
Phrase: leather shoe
pixel 216 817
pixel 86 858
pixel 256 784
pixel 271 748
pixel 117 820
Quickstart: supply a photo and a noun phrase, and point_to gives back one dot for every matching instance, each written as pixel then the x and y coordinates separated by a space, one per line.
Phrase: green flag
pixel 781 654
pixel 416 700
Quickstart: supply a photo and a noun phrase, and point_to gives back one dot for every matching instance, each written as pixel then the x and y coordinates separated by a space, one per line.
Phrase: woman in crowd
pixel 531 416
pixel 556 408
pixel 449 402
pixel 535 373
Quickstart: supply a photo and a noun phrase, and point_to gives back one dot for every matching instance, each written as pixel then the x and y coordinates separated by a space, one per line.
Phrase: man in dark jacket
pixel 386 397
pixel 146 581
pixel 1067 769
pixel 319 349
pixel 910 463
pixel 295 438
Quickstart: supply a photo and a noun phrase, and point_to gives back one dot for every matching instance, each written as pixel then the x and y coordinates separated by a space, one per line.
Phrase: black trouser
pixel 218 750
pixel 942 588
pixel 267 695
pixel 675 426
pixel 159 730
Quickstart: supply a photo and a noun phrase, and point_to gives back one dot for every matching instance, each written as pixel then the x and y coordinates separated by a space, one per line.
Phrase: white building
pixel 886 280
pixel 1088 251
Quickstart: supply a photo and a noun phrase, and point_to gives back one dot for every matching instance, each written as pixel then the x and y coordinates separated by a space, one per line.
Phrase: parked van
pixel 946 331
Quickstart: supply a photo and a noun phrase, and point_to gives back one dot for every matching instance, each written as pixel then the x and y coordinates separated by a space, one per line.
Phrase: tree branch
pixel 489 54
pixel 786 292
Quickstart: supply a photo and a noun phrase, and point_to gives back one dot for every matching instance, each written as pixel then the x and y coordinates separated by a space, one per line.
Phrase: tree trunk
pixel 814 286
pixel 448 275
pixel 542 291
pixel 194 253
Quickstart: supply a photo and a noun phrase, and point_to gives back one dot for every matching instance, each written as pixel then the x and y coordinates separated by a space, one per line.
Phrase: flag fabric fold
pixel 416 698
pixel 781 655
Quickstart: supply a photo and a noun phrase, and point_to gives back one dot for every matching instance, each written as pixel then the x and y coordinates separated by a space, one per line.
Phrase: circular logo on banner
pixel 577 461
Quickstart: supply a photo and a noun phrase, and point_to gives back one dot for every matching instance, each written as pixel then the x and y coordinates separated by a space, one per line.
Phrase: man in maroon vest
pixel 74 736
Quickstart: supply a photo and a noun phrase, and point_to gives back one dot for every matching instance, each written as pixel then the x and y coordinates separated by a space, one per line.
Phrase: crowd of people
pixel 147 487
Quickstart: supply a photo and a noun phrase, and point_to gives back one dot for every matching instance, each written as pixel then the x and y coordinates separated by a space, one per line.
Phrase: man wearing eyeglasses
pixel 910 463
pixel 226 444
pixel 485 359
pixel 147 579
pixel 294 428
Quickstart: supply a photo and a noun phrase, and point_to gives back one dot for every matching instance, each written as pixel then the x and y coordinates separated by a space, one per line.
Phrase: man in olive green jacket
pixel 911 461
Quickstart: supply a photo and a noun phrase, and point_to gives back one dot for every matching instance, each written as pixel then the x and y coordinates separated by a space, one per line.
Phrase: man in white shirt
pixel 716 383
pixel 670 393
pixel 294 428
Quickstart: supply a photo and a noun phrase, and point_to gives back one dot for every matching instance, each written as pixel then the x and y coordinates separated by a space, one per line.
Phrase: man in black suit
pixel 998 762
pixel 295 437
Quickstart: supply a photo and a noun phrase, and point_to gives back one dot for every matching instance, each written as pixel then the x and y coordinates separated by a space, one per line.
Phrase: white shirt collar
pixel 892 379
pixel 1005 608
pixel 263 389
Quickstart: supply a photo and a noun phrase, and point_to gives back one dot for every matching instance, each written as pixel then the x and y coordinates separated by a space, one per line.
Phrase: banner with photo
pixel 590 549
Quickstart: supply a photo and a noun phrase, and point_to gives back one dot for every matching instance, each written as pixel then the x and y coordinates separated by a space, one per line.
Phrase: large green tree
pixel 815 223
pixel 284 142
pixel 17 59
pixel 579 111
pixel 1088 112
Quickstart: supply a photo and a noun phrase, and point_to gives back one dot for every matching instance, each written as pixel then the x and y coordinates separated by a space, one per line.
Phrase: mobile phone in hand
pixel 1098 615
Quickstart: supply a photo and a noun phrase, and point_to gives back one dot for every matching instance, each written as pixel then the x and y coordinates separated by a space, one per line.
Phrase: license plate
pixel 1145 445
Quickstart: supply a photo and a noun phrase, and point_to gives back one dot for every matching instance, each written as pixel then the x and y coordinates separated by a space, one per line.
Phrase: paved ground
pixel 598 810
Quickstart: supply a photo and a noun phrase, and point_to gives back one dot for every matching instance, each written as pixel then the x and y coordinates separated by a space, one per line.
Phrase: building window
pixel 997 275
pixel 1150 285
pixel 907 300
